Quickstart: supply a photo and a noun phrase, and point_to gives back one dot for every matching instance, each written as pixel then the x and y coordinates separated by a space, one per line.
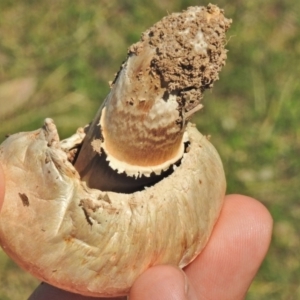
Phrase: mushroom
pixel 137 187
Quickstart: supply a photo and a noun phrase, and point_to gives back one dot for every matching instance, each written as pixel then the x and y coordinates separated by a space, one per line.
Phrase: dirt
pixel 24 198
pixel 189 52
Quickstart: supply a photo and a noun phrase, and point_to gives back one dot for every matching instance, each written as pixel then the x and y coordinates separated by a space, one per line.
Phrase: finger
pixel 48 292
pixel 1 187
pixel 162 282
pixel 240 240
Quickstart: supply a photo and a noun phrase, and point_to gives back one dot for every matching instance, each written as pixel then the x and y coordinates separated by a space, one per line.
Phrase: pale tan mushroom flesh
pixel 139 186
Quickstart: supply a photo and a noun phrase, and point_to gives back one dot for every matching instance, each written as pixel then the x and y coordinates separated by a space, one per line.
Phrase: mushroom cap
pixel 97 243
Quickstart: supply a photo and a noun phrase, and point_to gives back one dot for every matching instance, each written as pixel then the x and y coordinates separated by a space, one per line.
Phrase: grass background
pixel 57 56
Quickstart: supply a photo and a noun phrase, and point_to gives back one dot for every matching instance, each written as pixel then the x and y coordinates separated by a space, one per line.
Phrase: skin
pixel 224 270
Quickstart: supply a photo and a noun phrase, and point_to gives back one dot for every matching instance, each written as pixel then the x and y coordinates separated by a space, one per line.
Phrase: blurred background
pixel 57 56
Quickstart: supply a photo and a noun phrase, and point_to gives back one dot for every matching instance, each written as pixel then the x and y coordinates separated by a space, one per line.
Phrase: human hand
pixel 224 270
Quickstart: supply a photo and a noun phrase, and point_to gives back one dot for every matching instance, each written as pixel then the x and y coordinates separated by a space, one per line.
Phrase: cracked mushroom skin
pixel 93 221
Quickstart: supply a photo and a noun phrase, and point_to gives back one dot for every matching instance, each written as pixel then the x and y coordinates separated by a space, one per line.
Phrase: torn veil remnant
pixel 139 186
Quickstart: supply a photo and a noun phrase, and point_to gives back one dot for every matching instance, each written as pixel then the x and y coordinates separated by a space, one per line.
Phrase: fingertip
pixel 162 282
pixel 2 187
pixel 244 229
pixel 236 249
pixel 255 215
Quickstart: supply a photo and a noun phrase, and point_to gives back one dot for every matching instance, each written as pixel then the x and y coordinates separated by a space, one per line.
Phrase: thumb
pixel 162 282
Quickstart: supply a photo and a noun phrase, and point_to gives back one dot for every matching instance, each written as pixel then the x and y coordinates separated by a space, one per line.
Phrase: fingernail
pixel 188 289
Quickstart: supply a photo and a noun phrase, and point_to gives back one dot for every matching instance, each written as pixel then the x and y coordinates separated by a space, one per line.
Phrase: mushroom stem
pixel 140 129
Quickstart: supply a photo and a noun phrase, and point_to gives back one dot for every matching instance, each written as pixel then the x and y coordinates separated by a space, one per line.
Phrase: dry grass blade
pixel 15 93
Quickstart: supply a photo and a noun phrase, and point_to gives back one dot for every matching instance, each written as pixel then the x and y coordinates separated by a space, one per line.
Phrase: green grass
pixel 64 52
